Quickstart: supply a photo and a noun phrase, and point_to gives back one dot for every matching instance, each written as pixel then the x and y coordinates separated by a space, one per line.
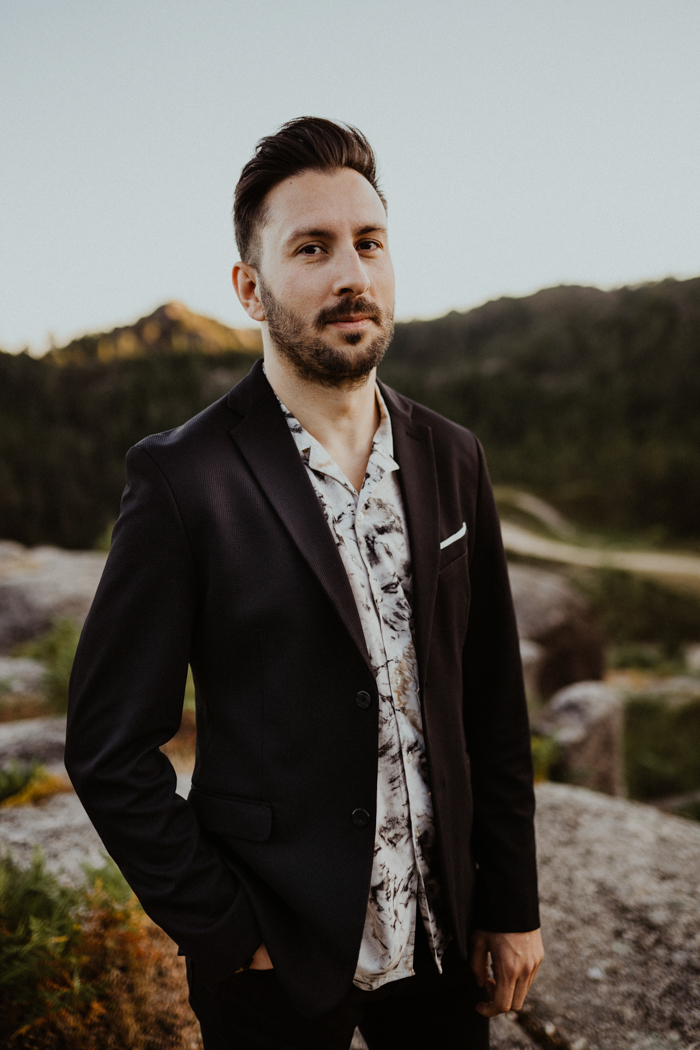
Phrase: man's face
pixel 326 279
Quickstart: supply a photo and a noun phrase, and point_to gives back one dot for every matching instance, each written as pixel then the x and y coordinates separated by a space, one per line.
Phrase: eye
pixel 311 249
pixel 366 246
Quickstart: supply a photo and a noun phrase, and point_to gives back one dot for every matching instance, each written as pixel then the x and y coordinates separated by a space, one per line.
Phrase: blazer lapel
pixel 264 440
pixel 413 449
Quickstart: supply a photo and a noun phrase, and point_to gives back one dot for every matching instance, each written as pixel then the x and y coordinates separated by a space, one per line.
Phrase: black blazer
pixel 222 559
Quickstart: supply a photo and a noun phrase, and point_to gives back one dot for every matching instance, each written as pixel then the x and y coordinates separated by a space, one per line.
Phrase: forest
pixel 587 398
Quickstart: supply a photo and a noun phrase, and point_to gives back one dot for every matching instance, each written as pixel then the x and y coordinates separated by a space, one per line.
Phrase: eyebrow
pixel 328 234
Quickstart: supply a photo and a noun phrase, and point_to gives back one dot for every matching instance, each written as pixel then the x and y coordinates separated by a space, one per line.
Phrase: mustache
pixel 346 308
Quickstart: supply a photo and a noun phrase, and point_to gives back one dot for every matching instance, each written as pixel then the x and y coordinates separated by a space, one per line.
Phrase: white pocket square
pixel 454 537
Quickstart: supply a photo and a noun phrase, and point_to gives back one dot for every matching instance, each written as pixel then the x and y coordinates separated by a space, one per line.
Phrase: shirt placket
pixel 365 524
pixel 410 744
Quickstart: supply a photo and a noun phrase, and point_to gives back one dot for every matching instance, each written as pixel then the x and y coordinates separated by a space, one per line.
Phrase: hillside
pixel 584 397
pixel 171 328
pixel 588 398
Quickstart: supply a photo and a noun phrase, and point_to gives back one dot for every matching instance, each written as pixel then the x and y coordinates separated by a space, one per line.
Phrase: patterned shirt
pixel 370 532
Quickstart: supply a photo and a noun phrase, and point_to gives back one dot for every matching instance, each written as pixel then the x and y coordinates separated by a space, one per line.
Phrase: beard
pixel 312 358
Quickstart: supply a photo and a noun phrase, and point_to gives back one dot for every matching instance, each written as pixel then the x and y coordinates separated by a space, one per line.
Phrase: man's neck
pixel 343 420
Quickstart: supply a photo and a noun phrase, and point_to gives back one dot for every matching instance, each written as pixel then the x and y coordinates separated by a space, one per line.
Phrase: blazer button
pixel 363 699
pixel 360 818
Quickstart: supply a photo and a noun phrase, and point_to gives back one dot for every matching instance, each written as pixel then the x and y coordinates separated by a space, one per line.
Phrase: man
pixel 326 555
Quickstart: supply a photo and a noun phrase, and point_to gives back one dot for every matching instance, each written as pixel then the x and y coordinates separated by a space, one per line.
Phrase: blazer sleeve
pixel 498 736
pixel 126 696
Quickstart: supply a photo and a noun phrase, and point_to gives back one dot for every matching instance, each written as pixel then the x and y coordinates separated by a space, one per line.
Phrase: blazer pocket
pixel 242 818
pixel 454 547
pixel 455 537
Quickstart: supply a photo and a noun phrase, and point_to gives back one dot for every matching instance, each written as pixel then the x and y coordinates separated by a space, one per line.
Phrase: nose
pixel 350 276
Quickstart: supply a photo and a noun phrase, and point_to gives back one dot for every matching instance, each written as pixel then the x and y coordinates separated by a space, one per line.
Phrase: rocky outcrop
pixel 33 740
pixel 619 887
pixel 558 619
pixel 532 657
pixel 59 825
pixel 40 585
pixel 692 658
pixel 21 675
pixel 60 828
pixel 587 721
pixel 508 1034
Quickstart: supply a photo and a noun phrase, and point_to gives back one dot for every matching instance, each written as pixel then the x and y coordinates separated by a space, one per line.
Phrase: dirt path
pixel 680 569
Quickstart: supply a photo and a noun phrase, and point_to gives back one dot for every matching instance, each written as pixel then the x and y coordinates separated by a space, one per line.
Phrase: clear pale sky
pixel 521 143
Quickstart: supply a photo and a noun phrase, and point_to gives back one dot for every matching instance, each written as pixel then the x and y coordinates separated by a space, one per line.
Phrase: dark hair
pixel 304 144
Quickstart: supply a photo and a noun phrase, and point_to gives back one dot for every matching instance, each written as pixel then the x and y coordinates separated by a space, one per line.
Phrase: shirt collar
pixel 384 435
pixel 314 454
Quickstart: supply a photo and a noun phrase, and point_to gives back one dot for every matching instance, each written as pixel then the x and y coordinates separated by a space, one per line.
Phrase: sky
pixel 521 144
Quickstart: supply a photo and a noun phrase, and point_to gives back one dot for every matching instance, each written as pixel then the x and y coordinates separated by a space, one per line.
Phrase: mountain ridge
pixel 171 328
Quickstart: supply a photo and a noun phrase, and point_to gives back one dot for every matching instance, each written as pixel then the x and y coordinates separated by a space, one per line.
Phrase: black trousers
pixel 251 1011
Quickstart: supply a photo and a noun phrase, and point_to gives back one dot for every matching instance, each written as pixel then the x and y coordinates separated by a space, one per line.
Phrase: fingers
pixel 501 995
pixel 480 960
pixel 515 964
pixel 522 987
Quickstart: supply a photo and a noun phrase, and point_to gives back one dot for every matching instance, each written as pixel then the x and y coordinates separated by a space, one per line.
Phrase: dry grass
pixel 85 969
pixel 143 997
pixel 14 706
pixel 42 785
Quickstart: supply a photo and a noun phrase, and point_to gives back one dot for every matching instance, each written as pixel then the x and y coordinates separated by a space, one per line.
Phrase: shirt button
pixel 360 818
pixel 360 517
pixel 363 699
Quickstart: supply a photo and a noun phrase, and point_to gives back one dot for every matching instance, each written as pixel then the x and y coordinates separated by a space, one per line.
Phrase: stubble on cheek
pixel 311 356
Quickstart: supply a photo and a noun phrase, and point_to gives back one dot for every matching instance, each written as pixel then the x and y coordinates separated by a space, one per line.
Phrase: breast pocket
pixel 454 546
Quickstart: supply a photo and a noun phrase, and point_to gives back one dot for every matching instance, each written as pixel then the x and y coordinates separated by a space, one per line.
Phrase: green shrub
pixel 27 785
pixel 632 609
pixel 545 756
pixel 16 777
pixel 78 965
pixel 56 650
pixel 38 945
pixel 644 656
pixel 662 745
pixel 111 880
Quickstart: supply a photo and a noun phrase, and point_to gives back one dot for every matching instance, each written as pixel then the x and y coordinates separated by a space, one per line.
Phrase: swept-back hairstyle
pixel 304 144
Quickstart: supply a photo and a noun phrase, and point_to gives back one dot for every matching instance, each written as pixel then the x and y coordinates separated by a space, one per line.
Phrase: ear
pixel 245 282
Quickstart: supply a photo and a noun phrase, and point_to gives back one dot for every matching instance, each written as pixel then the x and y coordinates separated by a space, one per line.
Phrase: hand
pixel 515 959
pixel 261 960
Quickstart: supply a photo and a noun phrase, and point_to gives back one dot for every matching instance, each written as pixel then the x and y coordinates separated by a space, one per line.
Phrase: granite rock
pixel 551 613
pixel 19 674
pixel 60 828
pixel 33 740
pixel 40 585
pixel 587 721
pixel 620 887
